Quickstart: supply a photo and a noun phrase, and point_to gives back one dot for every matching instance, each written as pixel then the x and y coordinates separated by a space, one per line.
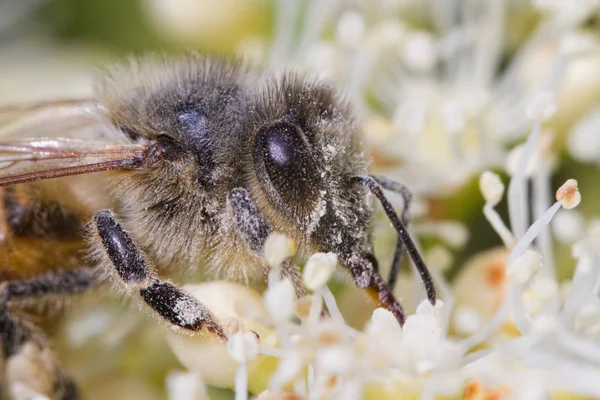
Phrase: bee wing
pixel 63 118
pixel 29 160
pixel 82 143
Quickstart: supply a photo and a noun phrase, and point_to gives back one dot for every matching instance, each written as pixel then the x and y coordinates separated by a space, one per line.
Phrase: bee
pixel 179 162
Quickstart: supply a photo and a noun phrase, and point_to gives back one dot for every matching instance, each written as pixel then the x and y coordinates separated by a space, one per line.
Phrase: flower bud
pixel 491 187
pixel 278 247
pixel 318 270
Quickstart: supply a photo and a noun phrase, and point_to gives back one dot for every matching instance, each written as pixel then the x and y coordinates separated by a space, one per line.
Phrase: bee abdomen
pixel 38 233
pixel 24 215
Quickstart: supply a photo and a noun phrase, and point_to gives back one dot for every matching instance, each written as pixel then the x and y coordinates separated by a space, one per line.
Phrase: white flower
pixel 438 105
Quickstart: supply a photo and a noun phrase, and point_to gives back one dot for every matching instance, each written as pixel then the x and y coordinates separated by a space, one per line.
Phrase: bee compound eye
pixel 283 146
pixel 286 167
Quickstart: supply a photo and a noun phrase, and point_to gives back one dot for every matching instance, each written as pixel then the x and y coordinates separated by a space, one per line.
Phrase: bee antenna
pixel 403 234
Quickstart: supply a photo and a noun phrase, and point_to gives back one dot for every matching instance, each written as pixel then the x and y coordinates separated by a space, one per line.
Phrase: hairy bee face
pixel 193 107
pixel 303 148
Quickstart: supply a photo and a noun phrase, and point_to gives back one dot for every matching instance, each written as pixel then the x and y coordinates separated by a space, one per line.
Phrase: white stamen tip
pixel 491 187
pixel 278 247
pixel 542 107
pixel 524 267
pixel 383 320
pixel 318 270
pixel 420 51
pixel 243 347
pixel 350 29
pixel 568 194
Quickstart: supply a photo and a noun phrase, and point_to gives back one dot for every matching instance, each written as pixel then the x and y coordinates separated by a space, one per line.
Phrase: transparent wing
pixel 34 159
pixel 59 138
pixel 63 118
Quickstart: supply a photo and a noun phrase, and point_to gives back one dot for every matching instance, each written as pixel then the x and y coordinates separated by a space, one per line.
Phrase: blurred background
pixel 441 89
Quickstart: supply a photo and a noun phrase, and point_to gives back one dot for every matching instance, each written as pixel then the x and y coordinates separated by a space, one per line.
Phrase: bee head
pixel 304 146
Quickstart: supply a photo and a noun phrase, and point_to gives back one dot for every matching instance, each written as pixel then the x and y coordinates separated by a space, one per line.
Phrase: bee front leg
pixel 171 303
pixel 253 229
pixel 396 187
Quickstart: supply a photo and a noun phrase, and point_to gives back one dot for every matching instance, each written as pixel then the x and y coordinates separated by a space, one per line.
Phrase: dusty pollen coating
pixel 197 161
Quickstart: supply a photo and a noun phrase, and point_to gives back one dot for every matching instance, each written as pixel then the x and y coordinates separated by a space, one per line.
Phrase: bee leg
pixel 29 367
pixel 403 191
pixel 171 303
pixel 253 229
pixel 70 282
pixel 365 271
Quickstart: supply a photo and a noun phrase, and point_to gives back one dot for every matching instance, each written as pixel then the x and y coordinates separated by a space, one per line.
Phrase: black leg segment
pixel 403 234
pixel 403 191
pixel 250 223
pixel 69 282
pixel 171 303
pixel 178 307
pixel 121 250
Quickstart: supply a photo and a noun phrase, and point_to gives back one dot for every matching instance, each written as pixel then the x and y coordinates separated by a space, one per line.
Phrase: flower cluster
pixel 441 102
pixel 446 91
pixel 283 345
